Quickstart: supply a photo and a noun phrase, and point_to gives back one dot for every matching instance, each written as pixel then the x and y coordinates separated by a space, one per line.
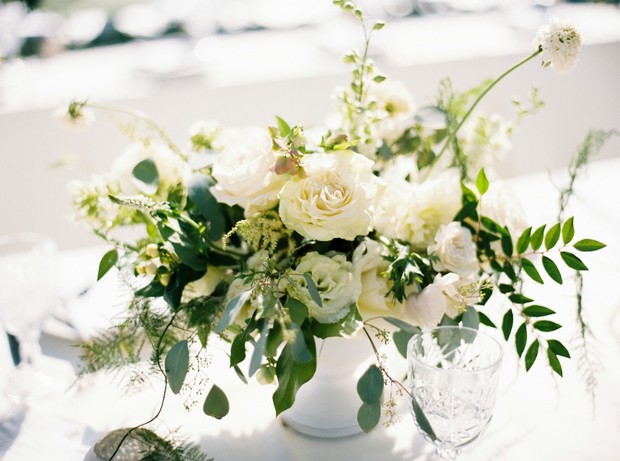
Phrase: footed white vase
pixel 327 405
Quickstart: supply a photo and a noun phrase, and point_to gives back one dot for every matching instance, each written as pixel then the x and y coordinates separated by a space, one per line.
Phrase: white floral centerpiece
pixel 382 223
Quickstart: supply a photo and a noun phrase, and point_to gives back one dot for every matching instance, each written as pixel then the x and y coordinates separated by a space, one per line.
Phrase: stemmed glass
pixel 28 297
pixel 453 375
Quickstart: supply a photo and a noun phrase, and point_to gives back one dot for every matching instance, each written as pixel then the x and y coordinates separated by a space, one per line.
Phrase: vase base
pixel 322 432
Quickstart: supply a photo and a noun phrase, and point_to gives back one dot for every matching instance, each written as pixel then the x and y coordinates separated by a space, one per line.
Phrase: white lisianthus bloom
pixel 560 43
pixel 436 202
pixel 171 169
pixel 244 171
pixel 334 199
pixel 335 281
pixel 455 250
pixel 369 265
pixel 426 308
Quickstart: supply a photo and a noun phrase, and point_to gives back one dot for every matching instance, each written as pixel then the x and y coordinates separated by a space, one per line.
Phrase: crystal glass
pixel 453 375
pixel 28 297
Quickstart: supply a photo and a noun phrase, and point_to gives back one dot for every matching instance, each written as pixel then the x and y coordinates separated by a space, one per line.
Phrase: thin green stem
pixel 454 132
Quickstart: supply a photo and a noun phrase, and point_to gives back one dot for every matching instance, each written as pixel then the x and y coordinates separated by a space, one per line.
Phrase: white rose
pixel 335 199
pixel 335 281
pixel 369 265
pixel 426 308
pixel 243 171
pixel 395 217
pixel 171 169
pixel 455 249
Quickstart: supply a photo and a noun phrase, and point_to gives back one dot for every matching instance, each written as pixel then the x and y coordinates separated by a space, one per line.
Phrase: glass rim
pixel 494 364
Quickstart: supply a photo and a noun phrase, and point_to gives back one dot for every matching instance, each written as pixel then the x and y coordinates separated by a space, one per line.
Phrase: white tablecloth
pixel 538 416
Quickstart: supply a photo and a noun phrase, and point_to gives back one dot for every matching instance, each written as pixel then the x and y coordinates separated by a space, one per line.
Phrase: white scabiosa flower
pixel 75 115
pixel 559 42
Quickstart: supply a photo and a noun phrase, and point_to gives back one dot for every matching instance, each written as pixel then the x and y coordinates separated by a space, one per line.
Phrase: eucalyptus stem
pixel 455 131
pixel 141 116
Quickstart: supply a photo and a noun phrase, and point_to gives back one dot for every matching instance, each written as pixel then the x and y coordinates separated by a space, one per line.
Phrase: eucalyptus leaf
pixel 568 231
pixel 259 350
pixel 421 419
pixel 216 404
pixel 552 269
pixel 199 192
pixel 107 262
pixel 297 310
pixel 300 351
pixel 471 318
pixel 573 261
pixel 369 415
pixel 345 327
pixel 370 385
pixel 232 309
pixel 402 325
pixel 401 339
pixel 147 176
pixel 176 365
pixel 531 354
pixel 312 289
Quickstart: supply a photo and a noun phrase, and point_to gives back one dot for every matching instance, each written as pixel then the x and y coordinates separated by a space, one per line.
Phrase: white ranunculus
pixel 426 308
pixel 243 171
pixel 369 265
pixel 455 250
pixel 335 281
pixel 171 169
pixel 560 43
pixel 334 199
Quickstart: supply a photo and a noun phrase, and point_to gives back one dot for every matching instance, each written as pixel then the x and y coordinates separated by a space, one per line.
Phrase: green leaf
pixel 471 318
pixel 421 419
pixel 178 281
pixel 312 289
pixel 524 241
pixel 573 261
pixel 568 231
pixel 552 269
pixel 537 237
pixel 176 365
pixel 146 174
pixel 378 25
pixel 107 262
pixel 199 192
pixel 284 127
pixel 232 309
pixel 299 347
pixel 507 323
pixel 369 415
pixel 346 327
pixel 401 339
pixel 546 325
pixel 521 339
pixel 291 376
pixel 485 320
pixel 531 354
pixel 588 245
pixel 554 362
pixel 378 78
pixel 492 225
pixel 482 183
pixel 240 374
pixel 519 298
pixel 259 350
pixel 506 241
pixel 557 347
pixel 531 271
pixel 297 310
pixel 537 311
pixel 402 325
pixel 370 385
pixel 216 404
pixel 553 236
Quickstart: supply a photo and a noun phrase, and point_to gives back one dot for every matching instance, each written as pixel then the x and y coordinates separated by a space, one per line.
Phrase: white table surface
pixel 538 417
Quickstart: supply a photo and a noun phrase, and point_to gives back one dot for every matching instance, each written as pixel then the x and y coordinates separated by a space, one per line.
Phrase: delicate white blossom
pixel 75 115
pixel 455 250
pixel 560 43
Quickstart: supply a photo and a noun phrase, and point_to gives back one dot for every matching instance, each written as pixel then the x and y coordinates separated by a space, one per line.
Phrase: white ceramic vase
pixel 327 405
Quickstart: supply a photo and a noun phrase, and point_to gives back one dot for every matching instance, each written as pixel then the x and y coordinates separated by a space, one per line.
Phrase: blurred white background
pixel 243 61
